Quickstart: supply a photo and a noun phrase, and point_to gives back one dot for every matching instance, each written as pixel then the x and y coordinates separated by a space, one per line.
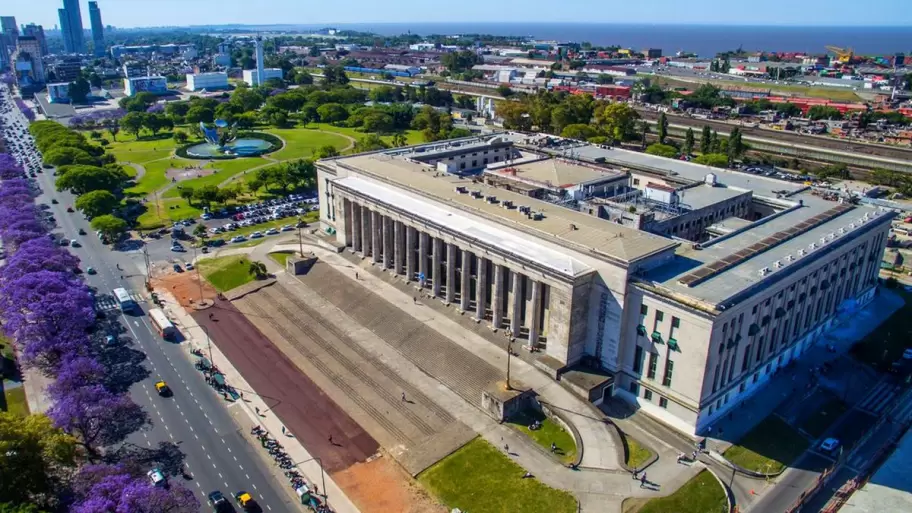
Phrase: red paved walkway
pixel 304 409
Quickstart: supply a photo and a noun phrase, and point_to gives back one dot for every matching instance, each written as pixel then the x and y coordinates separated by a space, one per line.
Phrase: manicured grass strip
pixel 550 432
pixel 15 402
pixel 226 170
pixel 817 424
pixel 638 455
pixel 770 447
pixel 301 143
pixel 702 494
pixel 226 273
pixel 480 479
pixel 281 257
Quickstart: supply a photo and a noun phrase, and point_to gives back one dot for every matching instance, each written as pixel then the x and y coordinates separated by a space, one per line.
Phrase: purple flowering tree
pixel 9 169
pixel 36 255
pixel 26 110
pixel 112 488
pixel 96 417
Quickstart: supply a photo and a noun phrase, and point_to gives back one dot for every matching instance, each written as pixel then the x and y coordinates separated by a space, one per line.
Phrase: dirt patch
pixel 184 286
pixel 381 486
pixel 189 172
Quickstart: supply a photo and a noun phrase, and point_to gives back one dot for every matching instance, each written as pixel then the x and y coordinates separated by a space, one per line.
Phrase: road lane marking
pixel 210 457
pixel 235 458
pixel 247 476
pixel 221 476
pixel 254 487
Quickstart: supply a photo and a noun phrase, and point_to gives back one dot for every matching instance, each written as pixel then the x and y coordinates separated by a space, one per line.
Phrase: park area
pixel 702 494
pixel 549 433
pixel 478 478
pixel 228 272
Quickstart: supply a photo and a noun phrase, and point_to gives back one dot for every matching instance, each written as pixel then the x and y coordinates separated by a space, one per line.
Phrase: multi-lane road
pixel 219 454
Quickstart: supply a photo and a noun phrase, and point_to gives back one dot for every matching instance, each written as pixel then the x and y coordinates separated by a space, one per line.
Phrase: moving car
pixel 157 477
pixel 82 231
pixel 830 445
pixel 91 270
pixel 162 388
pixel 75 243
pixel 177 268
pixel 70 210
pixel 218 502
pixel 238 238
pixel 245 501
pixel 188 266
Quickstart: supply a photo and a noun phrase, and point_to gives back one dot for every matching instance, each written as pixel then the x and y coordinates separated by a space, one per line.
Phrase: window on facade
pixel 638 359
pixel 663 403
pixel 742 387
pixel 635 388
pixel 747 358
pixel 636 181
pixel 716 379
pixel 660 316
pixel 644 310
pixel 760 349
pixel 647 394
pixel 669 371
pixel 653 363
pixel 675 322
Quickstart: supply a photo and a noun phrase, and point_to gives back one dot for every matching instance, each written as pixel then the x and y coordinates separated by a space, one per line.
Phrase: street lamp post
pixel 322 473
pixel 199 279
pixel 208 344
pixel 509 355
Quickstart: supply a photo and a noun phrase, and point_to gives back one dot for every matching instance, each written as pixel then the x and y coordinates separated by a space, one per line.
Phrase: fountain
pixel 222 141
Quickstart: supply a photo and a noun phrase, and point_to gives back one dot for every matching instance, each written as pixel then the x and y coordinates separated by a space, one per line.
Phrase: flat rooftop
pixel 703 196
pixel 552 172
pixel 726 268
pixel 559 225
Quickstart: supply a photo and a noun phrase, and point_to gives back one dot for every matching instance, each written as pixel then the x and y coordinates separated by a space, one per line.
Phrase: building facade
pixel 9 35
pixel 209 81
pixel 684 330
pixel 98 44
pixel 251 76
pixel 37 31
pixel 27 64
pixel 152 84
pixel 71 27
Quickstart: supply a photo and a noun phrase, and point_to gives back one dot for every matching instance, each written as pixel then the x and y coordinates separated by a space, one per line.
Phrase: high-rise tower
pixel 71 27
pixel 260 61
pixel 97 29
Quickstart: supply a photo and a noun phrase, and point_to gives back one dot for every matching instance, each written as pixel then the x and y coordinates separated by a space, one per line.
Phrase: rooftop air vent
pixel 506 204
pixel 462 190
pixel 538 216
pixel 789 258
pixel 812 246
pixel 491 199
pixel 777 264
pixel 823 241
pixel 841 231
pixel 764 271
pixel 477 194
pixel 801 252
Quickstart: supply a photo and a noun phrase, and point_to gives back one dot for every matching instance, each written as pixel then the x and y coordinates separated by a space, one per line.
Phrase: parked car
pixel 157 477
pixel 830 445
pixel 238 238
pixel 272 231
pixel 256 235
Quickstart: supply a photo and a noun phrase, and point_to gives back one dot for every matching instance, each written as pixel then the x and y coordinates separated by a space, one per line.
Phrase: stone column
pixel 356 226
pixel 535 318
pixel 451 273
pixel 347 217
pixel 365 232
pixel 387 242
pixel 376 231
pixel 436 249
pixel 481 288
pixel 410 234
pixel 399 243
pixel 465 280
pixel 516 314
pixel 423 255
pixel 497 299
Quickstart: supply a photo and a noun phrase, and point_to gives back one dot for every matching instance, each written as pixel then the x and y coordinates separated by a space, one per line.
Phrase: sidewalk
pixel 600 487
pixel 310 469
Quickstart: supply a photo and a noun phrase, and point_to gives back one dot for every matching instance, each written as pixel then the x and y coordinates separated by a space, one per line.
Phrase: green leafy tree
pixel 180 137
pixel 578 131
pixel 370 142
pixel 35 459
pixel 198 113
pixel 713 160
pixel 67 155
pixel 736 146
pixel 79 90
pixel 714 144
pixel 706 139
pixel 332 113
pixel 399 140
pixel 818 112
pixel 688 146
pixel 662 128
pixel 97 203
pixel 504 90
pixel 110 226
pixel 258 270
pixel 325 151
pixel 662 150
pixel 82 179
pixel 133 122
pixel 458 62
pixel 187 193
pixel 246 99
pixel 206 195
pixel 616 120
pixel 200 231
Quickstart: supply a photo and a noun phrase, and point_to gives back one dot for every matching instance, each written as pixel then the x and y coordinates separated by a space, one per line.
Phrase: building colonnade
pixel 454 273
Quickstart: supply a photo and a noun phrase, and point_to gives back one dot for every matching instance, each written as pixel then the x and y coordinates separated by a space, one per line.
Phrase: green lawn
pixel 770 447
pixel 550 432
pixel 14 401
pixel 638 453
pixel 226 273
pixel 281 257
pixel 155 178
pixel 480 479
pixel 301 142
pixel 128 149
pixel 702 494
pixel 829 93
pixel 886 343
pixel 168 211
pixel 226 170
pixel 819 421
pixel 411 136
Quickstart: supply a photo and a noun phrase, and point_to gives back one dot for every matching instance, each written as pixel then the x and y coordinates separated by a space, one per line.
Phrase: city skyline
pixel 146 13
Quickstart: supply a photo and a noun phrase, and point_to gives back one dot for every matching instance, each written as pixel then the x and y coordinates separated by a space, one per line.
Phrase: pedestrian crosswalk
pixel 106 302
pixel 879 398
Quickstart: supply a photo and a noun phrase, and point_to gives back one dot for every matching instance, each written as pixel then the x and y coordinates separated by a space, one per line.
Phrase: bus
pixel 162 325
pixel 124 300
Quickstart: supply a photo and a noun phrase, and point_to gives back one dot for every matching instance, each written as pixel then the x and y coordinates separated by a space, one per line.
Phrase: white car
pixel 188 266
pixel 829 445
pixel 239 238
pixel 272 231
pixel 156 476
pixel 256 235
pixel 205 217
pixel 287 228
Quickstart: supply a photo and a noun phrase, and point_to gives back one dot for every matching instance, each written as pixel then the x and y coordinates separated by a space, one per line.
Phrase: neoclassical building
pixel 547 238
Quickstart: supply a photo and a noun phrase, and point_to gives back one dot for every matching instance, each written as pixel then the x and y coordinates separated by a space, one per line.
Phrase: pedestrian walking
pixel 643 480
pixel 507 448
pixel 694 455
pixel 403 396
pixel 330 439
pixel 356 276
pixel 553 447
pixel 257 408
pixel 415 299
pixel 635 473
pixel 283 430
pixel 210 315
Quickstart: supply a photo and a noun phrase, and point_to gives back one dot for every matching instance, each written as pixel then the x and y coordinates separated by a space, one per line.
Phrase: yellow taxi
pixel 162 388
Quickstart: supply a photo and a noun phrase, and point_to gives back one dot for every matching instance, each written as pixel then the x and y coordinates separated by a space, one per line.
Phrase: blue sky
pixel 133 13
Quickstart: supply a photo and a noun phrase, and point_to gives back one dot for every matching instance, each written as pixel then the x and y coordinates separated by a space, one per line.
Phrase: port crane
pixel 843 55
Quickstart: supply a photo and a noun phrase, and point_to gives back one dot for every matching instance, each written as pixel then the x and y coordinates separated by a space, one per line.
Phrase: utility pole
pixel 509 356
pixel 199 279
pixel 300 237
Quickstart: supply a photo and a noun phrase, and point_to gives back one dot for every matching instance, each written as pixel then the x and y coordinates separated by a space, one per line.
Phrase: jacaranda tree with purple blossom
pixel 113 489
